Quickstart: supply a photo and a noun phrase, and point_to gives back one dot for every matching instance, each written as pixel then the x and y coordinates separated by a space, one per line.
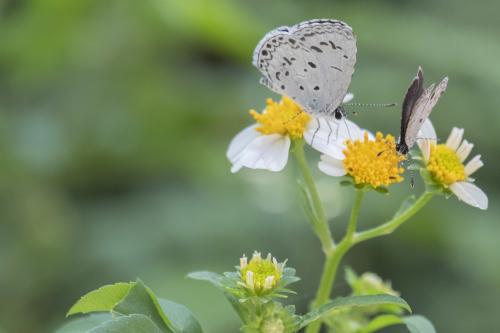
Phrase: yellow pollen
pixel 444 165
pixel 375 163
pixel 284 117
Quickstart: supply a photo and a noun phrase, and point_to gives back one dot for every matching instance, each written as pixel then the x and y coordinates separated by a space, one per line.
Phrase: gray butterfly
pixel 311 62
pixel 417 106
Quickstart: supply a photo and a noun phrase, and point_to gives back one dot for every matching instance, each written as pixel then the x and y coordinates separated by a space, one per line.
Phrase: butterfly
pixel 417 106
pixel 311 62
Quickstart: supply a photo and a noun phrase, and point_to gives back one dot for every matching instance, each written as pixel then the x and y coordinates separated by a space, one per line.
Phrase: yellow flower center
pixel 444 165
pixel 265 274
pixel 284 117
pixel 375 163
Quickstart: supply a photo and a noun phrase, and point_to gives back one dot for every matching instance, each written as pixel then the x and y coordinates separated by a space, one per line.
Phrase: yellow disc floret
pixel 375 163
pixel 260 275
pixel 445 165
pixel 284 117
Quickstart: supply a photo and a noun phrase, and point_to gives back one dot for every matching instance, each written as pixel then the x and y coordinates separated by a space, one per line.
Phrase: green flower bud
pixel 260 276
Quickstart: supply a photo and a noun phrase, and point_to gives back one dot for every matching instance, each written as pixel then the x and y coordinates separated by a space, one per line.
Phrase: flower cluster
pixel 349 151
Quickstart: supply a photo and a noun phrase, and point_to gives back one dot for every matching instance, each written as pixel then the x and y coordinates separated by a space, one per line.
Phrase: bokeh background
pixel 114 120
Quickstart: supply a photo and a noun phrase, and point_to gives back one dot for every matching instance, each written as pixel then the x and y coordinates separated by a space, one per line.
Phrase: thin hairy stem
pixel 319 220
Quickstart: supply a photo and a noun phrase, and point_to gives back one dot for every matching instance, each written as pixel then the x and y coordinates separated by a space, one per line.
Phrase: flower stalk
pixel 391 225
pixel 352 238
pixel 320 221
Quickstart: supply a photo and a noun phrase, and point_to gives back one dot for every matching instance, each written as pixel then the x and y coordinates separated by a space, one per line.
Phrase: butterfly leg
pixel 347 128
pixel 329 132
pixel 315 132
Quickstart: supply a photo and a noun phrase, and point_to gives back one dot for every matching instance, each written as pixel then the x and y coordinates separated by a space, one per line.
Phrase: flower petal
pixel 331 166
pixel 455 138
pixel 347 98
pixel 470 194
pixel 426 135
pixel 269 152
pixel 427 131
pixel 425 148
pixel 464 150
pixel 241 140
pixel 325 136
pixel 473 165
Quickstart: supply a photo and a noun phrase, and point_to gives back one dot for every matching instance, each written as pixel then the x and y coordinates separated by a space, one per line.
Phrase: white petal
pixel 348 97
pixel 331 166
pixel 241 140
pixel 464 150
pixel 268 282
pixel 425 148
pixel 249 280
pixel 426 133
pixel 243 262
pixel 349 130
pixel 323 135
pixel 455 138
pixel 473 165
pixel 268 152
pixel 470 194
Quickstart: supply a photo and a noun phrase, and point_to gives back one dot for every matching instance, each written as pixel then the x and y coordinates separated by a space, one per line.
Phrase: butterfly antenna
pixel 380 105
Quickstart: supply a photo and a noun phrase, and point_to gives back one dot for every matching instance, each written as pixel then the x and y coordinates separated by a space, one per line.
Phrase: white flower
pixel 445 162
pixel 265 145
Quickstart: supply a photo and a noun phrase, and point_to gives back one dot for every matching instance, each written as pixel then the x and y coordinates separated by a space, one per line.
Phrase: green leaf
pixel 406 204
pixel 141 300
pixel 382 190
pixel 102 299
pixel 380 322
pixel 183 321
pixel 415 324
pixel 350 276
pixel 214 278
pixel 225 284
pixel 352 301
pixel 418 324
pixel 84 324
pixel 135 323
pixel 346 181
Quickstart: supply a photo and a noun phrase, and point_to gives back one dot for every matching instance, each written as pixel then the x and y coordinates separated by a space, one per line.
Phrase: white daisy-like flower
pixel 367 159
pixel 445 163
pixel 266 144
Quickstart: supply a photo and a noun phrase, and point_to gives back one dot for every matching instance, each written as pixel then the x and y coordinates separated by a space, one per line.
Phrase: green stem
pixel 353 221
pixel 333 260
pixel 320 221
pixel 391 225
pixel 352 238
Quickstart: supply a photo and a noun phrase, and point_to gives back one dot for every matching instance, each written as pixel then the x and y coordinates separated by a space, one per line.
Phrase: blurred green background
pixel 114 120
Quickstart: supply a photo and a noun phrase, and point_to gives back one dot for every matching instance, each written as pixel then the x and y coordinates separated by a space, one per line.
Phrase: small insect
pixel 311 62
pixel 417 106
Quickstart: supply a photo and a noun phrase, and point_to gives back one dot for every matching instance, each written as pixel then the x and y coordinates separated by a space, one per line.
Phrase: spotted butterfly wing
pixel 417 106
pixel 311 62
